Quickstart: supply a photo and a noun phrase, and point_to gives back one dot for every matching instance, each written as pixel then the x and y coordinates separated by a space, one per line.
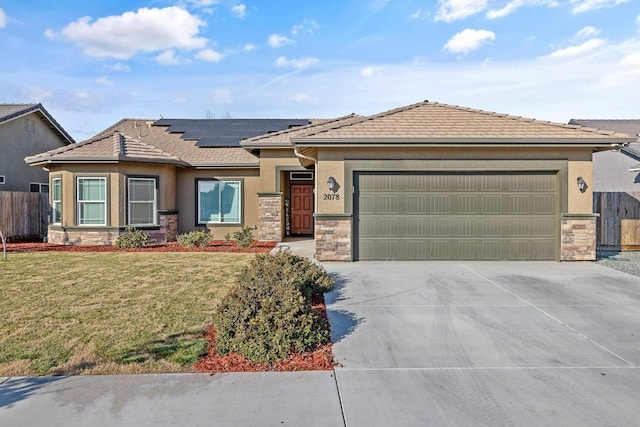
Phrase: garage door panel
pixel 456 216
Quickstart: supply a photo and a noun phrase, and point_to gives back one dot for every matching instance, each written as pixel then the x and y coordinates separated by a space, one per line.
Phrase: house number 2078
pixel 329 196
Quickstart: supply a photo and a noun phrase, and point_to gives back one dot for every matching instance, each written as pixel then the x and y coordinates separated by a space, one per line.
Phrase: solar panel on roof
pixel 226 132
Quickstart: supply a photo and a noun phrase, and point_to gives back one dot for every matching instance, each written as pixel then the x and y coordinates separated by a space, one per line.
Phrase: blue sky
pixel 94 62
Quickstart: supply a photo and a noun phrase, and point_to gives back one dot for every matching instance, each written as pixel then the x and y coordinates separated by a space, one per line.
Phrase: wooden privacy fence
pixel 23 216
pixel 618 226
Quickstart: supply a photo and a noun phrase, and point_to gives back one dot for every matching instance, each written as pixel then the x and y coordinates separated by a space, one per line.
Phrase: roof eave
pixel 225 165
pixel 462 142
pixel 111 160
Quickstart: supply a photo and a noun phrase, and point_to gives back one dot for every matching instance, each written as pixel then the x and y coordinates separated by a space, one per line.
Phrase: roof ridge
pixel 532 120
pixel 371 117
pixel 122 141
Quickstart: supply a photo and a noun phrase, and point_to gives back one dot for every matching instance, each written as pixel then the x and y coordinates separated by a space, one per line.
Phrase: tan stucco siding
pixel 19 140
pixel 578 160
pixel 271 162
pixel 580 202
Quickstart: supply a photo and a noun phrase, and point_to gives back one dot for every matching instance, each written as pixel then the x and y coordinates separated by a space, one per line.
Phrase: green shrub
pixel 244 237
pixel 267 315
pixel 195 239
pixel 132 238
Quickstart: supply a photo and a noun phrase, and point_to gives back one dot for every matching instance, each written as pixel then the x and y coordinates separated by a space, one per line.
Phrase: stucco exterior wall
pixel 18 141
pixel 611 171
pixel 186 198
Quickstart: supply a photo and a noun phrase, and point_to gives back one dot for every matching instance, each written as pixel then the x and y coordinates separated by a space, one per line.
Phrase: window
pixel 218 201
pixel 2 179
pixel 56 201
pixel 36 187
pixel 301 176
pixel 92 201
pixel 142 200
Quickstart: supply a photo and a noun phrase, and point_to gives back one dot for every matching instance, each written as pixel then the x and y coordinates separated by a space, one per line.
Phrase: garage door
pixel 449 216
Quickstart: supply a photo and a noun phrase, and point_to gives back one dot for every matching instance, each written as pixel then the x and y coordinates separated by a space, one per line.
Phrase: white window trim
pixel 3 180
pixel 78 202
pixel 155 200
pixel 55 220
pixel 239 182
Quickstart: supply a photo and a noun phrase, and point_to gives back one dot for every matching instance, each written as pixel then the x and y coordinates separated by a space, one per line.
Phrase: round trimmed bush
pixel 268 314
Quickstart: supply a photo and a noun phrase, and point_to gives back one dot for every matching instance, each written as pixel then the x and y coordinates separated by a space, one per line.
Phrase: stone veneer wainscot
pixel 333 237
pixel 270 209
pixel 578 237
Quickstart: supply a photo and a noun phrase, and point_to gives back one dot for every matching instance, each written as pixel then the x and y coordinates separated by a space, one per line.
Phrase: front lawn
pixel 108 313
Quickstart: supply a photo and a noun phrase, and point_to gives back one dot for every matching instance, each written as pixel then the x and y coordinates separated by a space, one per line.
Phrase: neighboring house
pixel 25 130
pixel 421 182
pixel 618 169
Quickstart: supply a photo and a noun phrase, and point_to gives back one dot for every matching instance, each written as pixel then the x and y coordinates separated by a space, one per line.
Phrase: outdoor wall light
pixel 331 182
pixel 582 184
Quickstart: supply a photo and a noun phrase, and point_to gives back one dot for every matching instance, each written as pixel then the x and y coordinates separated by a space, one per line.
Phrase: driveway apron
pixel 486 343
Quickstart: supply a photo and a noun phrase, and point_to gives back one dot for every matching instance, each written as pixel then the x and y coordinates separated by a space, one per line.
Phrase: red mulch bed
pixel 214 246
pixel 319 360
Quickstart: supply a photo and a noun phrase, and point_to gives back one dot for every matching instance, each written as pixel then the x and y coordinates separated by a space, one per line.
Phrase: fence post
pixel 4 246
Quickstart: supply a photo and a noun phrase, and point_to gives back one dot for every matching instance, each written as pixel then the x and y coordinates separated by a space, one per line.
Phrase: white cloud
pixel 123 36
pixel 118 67
pixel 588 32
pixel 167 58
pixel 276 40
pixel 587 5
pixel 417 14
pixel 573 51
pixel 3 18
pixel 451 10
pixel 210 55
pixel 632 59
pixel 104 81
pixel 180 99
pixel 249 47
pixel 299 64
pixel 369 71
pixel 308 25
pixel 303 98
pixel 516 4
pixel 221 96
pixel 239 10
pixel 468 40
pixel 203 3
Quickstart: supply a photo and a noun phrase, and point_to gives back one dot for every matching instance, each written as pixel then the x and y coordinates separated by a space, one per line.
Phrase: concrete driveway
pixel 486 343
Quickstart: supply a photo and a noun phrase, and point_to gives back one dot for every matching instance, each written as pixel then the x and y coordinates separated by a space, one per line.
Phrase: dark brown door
pixel 301 209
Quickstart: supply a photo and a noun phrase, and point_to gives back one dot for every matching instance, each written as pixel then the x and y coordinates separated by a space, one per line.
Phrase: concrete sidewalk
pixel 234 399
pixel 301 246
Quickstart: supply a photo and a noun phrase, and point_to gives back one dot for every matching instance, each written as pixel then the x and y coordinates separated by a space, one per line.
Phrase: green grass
pixel 108 313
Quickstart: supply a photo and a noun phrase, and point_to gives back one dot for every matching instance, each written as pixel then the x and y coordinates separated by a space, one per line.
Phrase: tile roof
pixel 141 140
pixel 10 112
pixel 628 126
pixel 434 120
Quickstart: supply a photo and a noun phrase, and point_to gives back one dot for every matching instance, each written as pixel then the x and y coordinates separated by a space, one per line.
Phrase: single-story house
pixel 616 170
pixel 422 182
pixel 25 130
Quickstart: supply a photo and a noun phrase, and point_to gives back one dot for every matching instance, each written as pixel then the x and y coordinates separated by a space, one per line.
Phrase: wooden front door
pixel 301 209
